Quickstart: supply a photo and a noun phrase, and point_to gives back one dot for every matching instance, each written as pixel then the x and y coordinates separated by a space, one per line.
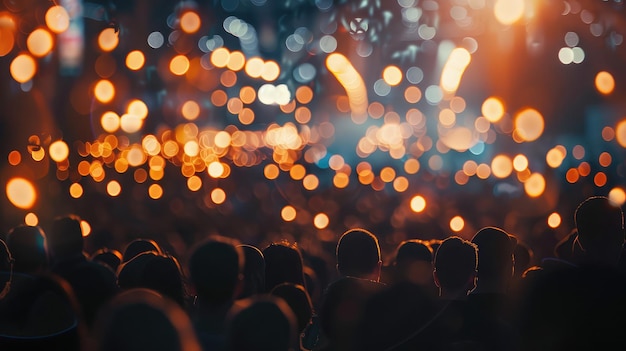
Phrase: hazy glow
pixel 492 109
pixel 108 39
pixel 215 169
pixel 605 83
pixel 321 221
pixel 392 75
pixel 218 196
pixel 31 219
pixel 620 133
pixel 57 19
pixel 310 182
pixel 23 68
pixel 114 188
pixel 76 190
pixel 520 163
pixel 40 42
pixel 555 157
pixel 190 22
pixel 554 220
pixel 14 158
pixel 179 65
pixel 104 91
pixel 131 123
pixel 418 203
pixel 457 223
pixel 220 57
pixel 453 69
pixel 535 185
pixel 501 166
pixel 617 196
pixel 288 213
pixel 110 121
pixel 21 193
pixel 508 11
pixel 270 71
pixel 135 60
pixel 254 67
pixel 59 151
pixel 351 80
pixel 7 33
pixel 529 124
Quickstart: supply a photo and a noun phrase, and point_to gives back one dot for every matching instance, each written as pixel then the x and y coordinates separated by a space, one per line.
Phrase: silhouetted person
pixel 65 243
pixel 129 273
pixel 358 255
pixel 263 323
pixel 298 300
pixel 142 319
pixel 29 249
pixel 138 246
pixel 253 272
pixel 109 257
pixel 283 263
pixel 216 273
pixel 564 249
pixel 164 275
pixel 414 263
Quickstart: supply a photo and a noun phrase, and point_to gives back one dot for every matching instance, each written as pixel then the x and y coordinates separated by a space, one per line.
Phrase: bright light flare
pixel 135 60
pixel 40 42
pixel 617 196
pixel 21 193
pixel 418 203
pixel 492 109
pixel 535 185
pixel 454 68
pixel 457 223
pixel 351 80
pixel 508 12
pixel 392 75
pixel 104 91
pixel 321 221
pixel 57 19
pixel 501 166
pixel 59 151
pixel 529 124
pixel 23 68
pixel 554 220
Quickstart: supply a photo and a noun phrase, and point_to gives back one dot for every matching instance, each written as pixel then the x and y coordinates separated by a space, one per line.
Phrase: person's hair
pixel 253 272
pixel 265 323
pixel 495 254
pixel 283 263
pixel 163 274
pixel 215 268
pixel 358 253
pixel 599 222
pixel 65 238
pixel 455 263
pixel 110 258
pixel 138 246
pixel 298 300
pixel 28 247
pixel 413 250
pixel 142 319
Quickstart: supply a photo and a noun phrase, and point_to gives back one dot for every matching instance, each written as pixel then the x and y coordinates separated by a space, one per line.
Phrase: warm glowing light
pixel 304 94
pixel 179 65
pixel 321 221
pixel 254 67
pixel 59 151
pixel 572 175
pixel 412 94
pixel 529 124
pixel 190 22
pixel 110 122
pixel 535 185
pixel 310 182
pixel 23 68
pixel 31 219
pixel 114 188
pixel 40 42
pixel 605 159
pixel 190 110
pixel 271 171
pixel 288 213
pixel 520 162
pixel 138 108
pixel 501 166
pixel 341 180
pixel 85 228
pixel 236 61
pixel 14 158
pixel 76 190
pixel 454 68
pixel 492 109
pixel 194 183
pixel 135 60
pixel 191 148
pixel 600 179
pixel 555 157
pixel 554 220
pixel 7 33
pixel 57 19
pixel 617 196
pixel 457 223
pixel 155 191
pixel 297 172
pixel 21 193
pixel 104 91
pixel 392 75
pixel 620 133
pixel 578 151
pixel 400 184
pixel 218 196
pixel 351 80
pixel 411 166
pixel 220 57
pixel 608 133
pixel 108 39
pixel 215 169
pixel 508 11
pixel 270 71
pixel 605 83
pixel 418 203
pixel 131 123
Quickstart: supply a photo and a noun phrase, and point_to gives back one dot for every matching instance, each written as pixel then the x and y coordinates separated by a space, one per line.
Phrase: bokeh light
pixel 21 192
pixel 617 196
pixel 104 91
pixel 85 228
pixel 457 223
pixel 40 42
pixel 492 109
pixel 23 68
pixel 529 124
pixel 288 213
pixel 321 220
pixel 114 188
pixel 135 60
pixel 535 185
pixel 190 22
pixel 418 203
pixel 31 219
pixel 57 19
pixel 108 39
pixel 508 12
pixel 59 151
pixel 605 83
pixel 554 220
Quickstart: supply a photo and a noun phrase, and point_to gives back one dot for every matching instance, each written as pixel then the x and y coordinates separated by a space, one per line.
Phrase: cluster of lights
pixel 298 146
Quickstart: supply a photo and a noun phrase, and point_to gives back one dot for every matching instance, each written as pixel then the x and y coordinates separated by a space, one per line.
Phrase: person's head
pixel 142 319
pixel 265 323
pixel 163 274
pixel 413 261
pixel 283 263
pixel 495 258
pixel 600 225
pixel 216 269
pixel 358 254
pixel 298 300
pixel 455 264
pixel 65 239
pixel 129 274
pixel 253 272
pixel 6 265
pixel 29 249
pixel 138 246
pixel 110 258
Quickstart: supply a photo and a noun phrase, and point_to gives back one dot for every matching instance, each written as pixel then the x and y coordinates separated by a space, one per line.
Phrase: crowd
pixel 451 294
